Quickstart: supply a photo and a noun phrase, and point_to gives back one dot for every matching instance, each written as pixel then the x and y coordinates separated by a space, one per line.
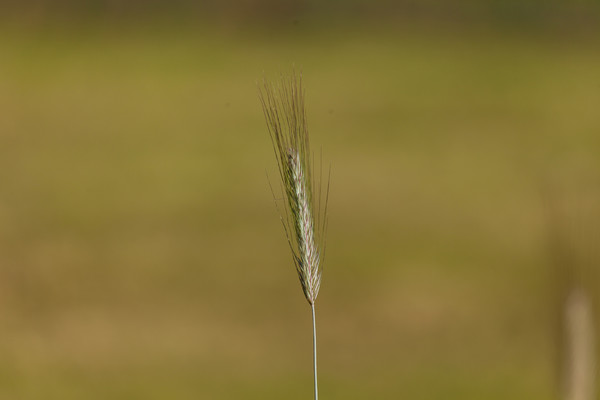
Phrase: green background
pixel 141 255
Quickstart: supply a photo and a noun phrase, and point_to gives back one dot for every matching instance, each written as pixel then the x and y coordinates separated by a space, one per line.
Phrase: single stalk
pixel 304 220
pixel 312 307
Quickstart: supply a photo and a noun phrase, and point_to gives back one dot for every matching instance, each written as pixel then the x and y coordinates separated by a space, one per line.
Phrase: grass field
pixel 141 256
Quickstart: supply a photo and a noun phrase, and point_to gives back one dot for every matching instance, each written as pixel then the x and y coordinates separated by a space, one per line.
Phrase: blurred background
pixel 141 255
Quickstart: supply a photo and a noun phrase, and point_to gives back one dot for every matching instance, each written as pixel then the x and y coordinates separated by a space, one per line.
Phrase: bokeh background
pixel 141 256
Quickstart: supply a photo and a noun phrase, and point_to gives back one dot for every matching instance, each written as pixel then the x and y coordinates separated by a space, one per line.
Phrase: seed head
pixel 304 221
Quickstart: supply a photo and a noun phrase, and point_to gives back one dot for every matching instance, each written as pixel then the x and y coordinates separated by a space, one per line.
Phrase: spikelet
pixel 304 221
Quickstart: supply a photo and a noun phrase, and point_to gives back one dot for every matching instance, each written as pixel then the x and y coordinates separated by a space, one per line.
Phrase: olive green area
pixel 141 255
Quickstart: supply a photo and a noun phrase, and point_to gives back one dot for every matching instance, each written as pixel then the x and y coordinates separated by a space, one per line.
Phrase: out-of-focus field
pixel 141 256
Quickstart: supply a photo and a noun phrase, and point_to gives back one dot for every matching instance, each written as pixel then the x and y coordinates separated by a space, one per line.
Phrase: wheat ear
pixel 304 220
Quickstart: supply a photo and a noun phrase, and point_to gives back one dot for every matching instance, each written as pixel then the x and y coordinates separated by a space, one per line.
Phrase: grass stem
pixel 283 106
pixel 314 323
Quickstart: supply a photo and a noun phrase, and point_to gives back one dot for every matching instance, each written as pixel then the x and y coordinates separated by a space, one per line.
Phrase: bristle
pixel 283 106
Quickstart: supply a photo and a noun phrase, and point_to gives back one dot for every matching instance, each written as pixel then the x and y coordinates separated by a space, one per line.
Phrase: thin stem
pixel 312 307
